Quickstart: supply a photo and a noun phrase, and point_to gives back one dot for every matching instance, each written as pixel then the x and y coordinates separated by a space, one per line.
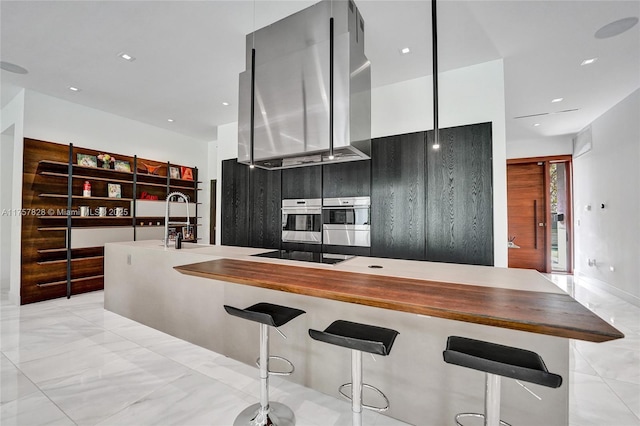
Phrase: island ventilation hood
pixel 296 99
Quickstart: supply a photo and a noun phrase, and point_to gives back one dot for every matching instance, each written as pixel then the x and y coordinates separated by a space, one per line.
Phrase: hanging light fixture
pixel 434 50
pixel 331 157
pixel 253 89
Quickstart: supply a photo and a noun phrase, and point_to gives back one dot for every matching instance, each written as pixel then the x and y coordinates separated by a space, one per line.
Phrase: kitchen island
pixel 140 283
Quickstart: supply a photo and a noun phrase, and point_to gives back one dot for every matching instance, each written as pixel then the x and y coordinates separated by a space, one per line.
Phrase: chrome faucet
pixel 166 216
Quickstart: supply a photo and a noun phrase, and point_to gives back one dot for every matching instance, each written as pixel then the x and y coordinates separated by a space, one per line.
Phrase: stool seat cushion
pixel 502 360
pixel 266 313
pixel 361 337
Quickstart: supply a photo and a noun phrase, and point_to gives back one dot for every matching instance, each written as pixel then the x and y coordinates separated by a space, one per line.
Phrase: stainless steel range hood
pixel 292 90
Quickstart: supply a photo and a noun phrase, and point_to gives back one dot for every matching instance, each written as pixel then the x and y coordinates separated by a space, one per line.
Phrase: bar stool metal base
pixel 279 415
pixel 477 415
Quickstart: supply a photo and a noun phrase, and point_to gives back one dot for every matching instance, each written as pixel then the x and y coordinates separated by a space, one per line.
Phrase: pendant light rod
pixel 253 106
pixel 434 50
pixel 253 89
pixel 331 85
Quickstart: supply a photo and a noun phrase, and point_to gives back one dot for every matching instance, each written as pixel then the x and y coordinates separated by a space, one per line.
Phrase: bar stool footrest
pixel 279 373
pixel 368 407
pixel 478 415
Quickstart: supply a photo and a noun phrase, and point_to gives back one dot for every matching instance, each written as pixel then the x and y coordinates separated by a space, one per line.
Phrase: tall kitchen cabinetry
pixel 62 250
pixel 351 179
pixel 434 205
pixel 426 204
pixel 460 196
pixel 250 206
pixel 302 182
pixel 398 196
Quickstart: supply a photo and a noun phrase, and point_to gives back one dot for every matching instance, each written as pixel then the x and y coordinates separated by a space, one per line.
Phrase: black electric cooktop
pixel 306 256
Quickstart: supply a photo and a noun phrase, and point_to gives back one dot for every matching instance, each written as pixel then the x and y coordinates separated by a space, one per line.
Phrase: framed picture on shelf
pixel 87 160
pixel 187 233
pixel 187 173
pixel 174 172
pixel 122 166
pixel 114 190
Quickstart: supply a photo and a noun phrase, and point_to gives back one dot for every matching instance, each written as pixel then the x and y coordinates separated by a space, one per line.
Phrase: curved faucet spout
pixel 167 216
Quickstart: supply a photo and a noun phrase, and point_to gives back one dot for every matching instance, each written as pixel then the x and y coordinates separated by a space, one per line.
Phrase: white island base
pixel 141 284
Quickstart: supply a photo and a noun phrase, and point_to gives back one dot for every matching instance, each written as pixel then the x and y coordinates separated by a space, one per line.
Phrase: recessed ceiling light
pixel 588 61
pixel 536 124
pixel 74 89
pixel 16 69
pixel 225 103
pixel 405 50
pixel 556 100
pixel 170 120
pixel 126 57
pixel 616 27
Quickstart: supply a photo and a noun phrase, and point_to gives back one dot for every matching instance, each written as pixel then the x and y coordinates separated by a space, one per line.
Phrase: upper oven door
pixel 356 216
pixel 301 221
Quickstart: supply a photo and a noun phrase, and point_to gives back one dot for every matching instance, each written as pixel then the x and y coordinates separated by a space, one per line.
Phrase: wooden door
pixel 526 206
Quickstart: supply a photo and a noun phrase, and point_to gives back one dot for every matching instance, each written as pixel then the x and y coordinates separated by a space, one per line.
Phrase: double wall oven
pixel 346 221
pixel 302 221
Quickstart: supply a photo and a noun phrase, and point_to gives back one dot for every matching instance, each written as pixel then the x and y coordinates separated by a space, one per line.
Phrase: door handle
pixel 535 224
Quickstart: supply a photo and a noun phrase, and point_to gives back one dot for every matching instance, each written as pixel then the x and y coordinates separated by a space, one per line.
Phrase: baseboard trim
pixel 599 284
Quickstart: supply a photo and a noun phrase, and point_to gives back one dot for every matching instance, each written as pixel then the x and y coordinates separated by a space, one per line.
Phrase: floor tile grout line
pixel 39 389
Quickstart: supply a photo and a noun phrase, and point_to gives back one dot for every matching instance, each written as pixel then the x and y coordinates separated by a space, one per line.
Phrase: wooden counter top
pixel 555 314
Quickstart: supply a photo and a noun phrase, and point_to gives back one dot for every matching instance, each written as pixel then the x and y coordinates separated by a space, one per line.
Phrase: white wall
pixel 6 191
pixel 609 175
pixel 38 116
pixel 540 147
pixel 54 120
pixel 12 124
pixel 467 95
pixel 226 148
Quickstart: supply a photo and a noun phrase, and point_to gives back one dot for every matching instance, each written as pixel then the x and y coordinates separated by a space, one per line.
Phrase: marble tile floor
pixel 66 362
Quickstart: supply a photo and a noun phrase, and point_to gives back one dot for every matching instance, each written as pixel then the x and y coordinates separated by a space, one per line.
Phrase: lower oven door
pixel 302 237
pixel 302 226
pixel 347 235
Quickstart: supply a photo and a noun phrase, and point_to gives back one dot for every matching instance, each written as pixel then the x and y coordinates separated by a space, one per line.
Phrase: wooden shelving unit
pixel 54 265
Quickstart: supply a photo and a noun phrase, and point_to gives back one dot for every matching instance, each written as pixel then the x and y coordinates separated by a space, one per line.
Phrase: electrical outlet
pixel 129 259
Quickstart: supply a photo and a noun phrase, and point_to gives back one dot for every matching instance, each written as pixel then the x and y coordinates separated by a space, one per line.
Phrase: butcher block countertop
pixel 552 313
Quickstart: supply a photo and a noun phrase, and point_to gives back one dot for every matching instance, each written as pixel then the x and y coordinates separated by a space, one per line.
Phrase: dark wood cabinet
pixel 398 196
pixel 460 198
pixel 264 207
pixel 302 182
pixel 351 179
pixel 235 204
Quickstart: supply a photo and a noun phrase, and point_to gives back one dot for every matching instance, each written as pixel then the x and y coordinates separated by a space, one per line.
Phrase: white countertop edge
pixel 489 276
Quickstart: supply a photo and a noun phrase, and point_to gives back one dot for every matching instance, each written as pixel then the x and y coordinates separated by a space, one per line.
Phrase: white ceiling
pixel 189 54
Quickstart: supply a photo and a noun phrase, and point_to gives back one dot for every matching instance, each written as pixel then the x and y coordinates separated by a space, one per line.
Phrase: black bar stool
pixel 265 413
pixel 359 338
pixel 496 361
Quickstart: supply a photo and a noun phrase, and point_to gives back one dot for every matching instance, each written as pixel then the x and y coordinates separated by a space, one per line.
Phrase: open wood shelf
pixel 86 217
pixel 191 188
pixel 86 177
pixel 48 251
pixel 75 259
pixel 52 179
pixel 77 197
pixel 74 280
